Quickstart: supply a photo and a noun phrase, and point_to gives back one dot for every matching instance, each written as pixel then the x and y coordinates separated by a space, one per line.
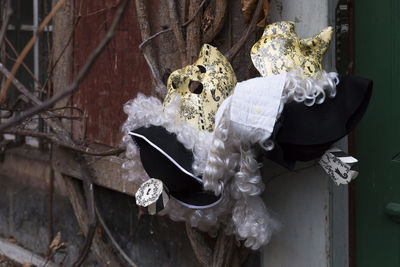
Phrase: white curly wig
pixel 145 111
pixel 232 145
pixel 232 142
pixel 225 158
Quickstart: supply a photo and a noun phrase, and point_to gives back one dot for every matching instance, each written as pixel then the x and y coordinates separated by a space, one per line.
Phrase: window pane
pixel 45 44
pixel 19 39
pixel 44 9
pixel 23 12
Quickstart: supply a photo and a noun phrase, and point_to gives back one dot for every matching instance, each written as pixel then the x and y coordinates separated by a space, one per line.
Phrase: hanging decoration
pixel 164 157
pixel 202 87
pixel 280 50
pixel 304 133
pixel 201 145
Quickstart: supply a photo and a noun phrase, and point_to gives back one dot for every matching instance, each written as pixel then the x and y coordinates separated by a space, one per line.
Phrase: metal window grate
pixel 23 25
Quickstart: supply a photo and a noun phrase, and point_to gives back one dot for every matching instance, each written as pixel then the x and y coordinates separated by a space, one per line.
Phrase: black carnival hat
pixel 166 159
pixel 304 133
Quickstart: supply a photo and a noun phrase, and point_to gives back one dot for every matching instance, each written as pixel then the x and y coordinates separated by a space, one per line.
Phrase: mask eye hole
pixel 195 87
pixel 202 68
pixel 174 85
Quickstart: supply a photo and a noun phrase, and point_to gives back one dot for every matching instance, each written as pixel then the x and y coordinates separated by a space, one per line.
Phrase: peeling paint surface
pixel 118 75
pixel 301 199
pixel 311 16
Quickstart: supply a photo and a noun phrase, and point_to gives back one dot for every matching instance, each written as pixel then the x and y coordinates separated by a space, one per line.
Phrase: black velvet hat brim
pixel 165 158
pixel 304 133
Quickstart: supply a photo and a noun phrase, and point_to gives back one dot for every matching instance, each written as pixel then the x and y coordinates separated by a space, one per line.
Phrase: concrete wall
pixel 313 211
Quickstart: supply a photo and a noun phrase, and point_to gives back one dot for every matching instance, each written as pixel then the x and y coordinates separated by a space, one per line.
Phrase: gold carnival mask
pixel 280 49
pixel 214 78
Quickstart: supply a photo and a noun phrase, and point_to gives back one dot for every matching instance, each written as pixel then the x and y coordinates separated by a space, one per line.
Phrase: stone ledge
pixel 33 165
pixel 106 171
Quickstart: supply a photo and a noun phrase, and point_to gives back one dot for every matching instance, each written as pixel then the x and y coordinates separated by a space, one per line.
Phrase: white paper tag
pixel 341 167
pixel 149 192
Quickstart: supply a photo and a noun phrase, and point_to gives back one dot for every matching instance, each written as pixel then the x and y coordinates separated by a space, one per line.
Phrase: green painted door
pixel 377 48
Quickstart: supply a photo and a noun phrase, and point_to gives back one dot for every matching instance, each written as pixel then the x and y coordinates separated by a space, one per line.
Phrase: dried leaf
pixel 262 22
pixel 56 244
pixel 248 9
pixel 141 212
pixel 56 241
pixel 207 20
pixel 99 232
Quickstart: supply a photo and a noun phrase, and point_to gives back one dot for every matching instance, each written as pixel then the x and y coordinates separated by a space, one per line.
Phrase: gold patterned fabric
pixel 216 79
pixel 280 50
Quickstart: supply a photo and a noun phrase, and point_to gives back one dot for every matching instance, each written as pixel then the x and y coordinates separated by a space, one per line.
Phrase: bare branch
pixel 54 124
pixel 81 75
pixel 252 26
pixel 20 98
pixel 229 28
pixel 113 241
pixel 27 97
pixel 6 115
pixel 23 63
pixel 28 47
pixel 193 33
pixel 99 11
pixel 200 247
pixel 20 87
pixel 101 251
pixel 71 146
pixel 50 197
pixel 87 225
pixel 68 107
pixel 195 14
pixel 221 6
pixel 223 250
pixel 4 26
pixel 146 42
pixel 161 89
pixel 30 133
pixel 147 51
pixel 57 116
pixel 63 28
pixel 243 254
pixel 174 24
pixel 90 205
pixel 92 152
